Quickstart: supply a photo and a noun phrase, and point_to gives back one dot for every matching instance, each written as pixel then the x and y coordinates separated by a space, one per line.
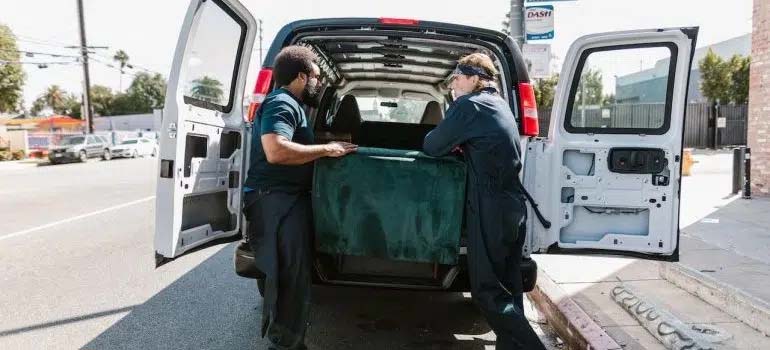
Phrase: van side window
pixel 623 90
pixel 212 57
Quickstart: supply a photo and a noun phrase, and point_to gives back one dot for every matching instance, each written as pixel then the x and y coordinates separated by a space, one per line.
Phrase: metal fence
pixel 734 133
pixel 702 129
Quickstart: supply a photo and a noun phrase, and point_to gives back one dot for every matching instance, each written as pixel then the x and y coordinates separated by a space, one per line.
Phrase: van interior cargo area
pixel 388 65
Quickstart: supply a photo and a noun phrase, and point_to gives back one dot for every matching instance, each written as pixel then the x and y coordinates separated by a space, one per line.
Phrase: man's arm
pixel 277 126
pixel 450 132
pixel 280 150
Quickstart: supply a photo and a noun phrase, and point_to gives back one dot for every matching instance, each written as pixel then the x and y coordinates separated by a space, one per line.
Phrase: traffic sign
pixel 538 22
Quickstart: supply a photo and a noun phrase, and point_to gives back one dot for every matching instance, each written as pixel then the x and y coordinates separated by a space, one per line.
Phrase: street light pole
pixel 260 43
pixel 86 78
pixel 517 21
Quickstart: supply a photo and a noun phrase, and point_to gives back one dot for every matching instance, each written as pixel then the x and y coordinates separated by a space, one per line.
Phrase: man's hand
pixel 338 149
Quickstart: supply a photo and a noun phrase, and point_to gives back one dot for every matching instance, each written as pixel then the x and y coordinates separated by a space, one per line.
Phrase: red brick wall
pixel 759 100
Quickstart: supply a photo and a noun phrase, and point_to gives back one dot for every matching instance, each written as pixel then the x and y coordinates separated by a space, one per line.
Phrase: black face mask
pixel 310 95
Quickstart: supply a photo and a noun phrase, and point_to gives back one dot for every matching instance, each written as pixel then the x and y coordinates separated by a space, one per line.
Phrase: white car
pixel 134 147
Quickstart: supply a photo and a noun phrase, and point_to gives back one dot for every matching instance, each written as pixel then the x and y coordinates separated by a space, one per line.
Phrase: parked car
pixel 134 147
pixel 605 179
pixel 79 148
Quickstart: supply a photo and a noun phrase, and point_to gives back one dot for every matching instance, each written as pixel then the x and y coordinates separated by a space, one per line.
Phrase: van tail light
pixel 261 88
pixel 529 122
pixel 399 21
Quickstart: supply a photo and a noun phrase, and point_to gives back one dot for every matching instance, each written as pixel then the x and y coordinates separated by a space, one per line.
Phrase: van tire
pixel 83 157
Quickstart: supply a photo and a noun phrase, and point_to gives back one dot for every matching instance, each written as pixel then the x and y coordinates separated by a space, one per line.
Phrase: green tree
pixel 102 99
pixel 590 88
pixel 506 23
pixel 72 106
pixel 608 100
pixel 125 103
pixel 739 80
pixel 545 89
pixel 37 106
pixel 145 93
pixel 716 78
pixel 122 58
pixel 207 89
pixel 408 111
pixel 54 98
pixel 11 74
pixel 151 87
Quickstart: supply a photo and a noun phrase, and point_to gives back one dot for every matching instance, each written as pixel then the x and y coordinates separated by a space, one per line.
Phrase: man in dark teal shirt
pixel 281 117
pixel 277 196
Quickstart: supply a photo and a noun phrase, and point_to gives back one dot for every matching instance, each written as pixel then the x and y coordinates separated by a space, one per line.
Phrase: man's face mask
pixel 310 93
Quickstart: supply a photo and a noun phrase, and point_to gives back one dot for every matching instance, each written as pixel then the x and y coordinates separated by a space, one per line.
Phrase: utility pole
pixel 86 79
pixel 260 43
pixel 517 21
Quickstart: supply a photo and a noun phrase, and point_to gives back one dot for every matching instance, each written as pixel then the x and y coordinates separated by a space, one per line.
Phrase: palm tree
pixel 122 58
pixel 54 96
pixel 207 89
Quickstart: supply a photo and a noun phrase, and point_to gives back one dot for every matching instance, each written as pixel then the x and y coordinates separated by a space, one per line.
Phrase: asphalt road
pixel 77 271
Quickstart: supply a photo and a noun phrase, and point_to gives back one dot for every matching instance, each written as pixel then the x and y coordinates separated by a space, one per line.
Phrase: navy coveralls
pixel 482 125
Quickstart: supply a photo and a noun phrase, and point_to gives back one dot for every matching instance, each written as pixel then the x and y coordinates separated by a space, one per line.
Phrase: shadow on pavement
pixel 211 308
pixel 65 321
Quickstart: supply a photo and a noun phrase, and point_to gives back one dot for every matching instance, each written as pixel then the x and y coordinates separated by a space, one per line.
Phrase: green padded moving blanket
pixel 391 204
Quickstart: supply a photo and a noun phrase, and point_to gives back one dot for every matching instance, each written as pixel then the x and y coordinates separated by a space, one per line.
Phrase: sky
pixel 148 29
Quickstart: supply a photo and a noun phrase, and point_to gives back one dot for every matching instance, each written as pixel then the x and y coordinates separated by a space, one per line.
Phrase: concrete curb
pixel 748 309
pixel 572 324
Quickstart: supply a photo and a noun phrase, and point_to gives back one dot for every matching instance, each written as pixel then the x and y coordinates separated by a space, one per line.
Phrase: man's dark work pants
pixel 280 232
pixel 494 256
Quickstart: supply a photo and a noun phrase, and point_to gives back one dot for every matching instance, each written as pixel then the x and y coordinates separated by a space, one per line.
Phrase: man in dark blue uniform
pixel 277 196
pixel 480 123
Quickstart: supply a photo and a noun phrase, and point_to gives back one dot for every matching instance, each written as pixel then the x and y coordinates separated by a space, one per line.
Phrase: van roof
pixel 408 51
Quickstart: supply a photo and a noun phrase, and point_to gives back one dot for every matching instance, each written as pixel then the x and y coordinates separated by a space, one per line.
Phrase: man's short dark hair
pixel 291 61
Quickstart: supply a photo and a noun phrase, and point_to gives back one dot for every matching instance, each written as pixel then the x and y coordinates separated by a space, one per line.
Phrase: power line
pixel 102 62
pixel 40 42
pixel 32 53
pixel 48 42
pixel 31 38
pixel 110 65
pixel 39 63
pixel 130 65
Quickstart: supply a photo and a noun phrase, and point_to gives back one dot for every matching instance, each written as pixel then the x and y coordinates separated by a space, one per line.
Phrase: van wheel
pixel 106 155
pixel 261 286
pixel 83 157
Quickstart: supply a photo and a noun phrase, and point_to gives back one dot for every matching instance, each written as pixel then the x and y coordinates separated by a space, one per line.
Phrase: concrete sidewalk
pixel 725 260
pixel 719 283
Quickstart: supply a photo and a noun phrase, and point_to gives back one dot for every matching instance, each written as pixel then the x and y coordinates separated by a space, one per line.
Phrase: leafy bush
pixel 18 155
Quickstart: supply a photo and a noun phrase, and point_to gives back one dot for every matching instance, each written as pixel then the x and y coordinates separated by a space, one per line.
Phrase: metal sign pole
pixel 517 22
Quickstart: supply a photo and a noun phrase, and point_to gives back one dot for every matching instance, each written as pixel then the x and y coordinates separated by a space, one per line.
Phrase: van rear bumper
pixel 454 279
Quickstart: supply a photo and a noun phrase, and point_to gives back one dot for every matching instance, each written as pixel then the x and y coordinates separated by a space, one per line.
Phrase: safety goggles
pixel 464 69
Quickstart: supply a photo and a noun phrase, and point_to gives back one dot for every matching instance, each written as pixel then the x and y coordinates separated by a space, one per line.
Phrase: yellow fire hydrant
pixel 687 162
